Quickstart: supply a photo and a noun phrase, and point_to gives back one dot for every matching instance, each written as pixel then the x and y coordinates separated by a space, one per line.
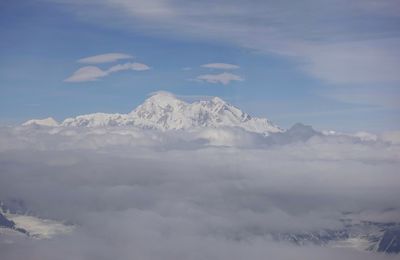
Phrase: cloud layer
pixel 132 192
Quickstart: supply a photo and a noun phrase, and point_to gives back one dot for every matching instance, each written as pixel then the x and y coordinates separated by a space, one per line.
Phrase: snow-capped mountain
pixel 163 111
pixel 51 122
pixel 364 235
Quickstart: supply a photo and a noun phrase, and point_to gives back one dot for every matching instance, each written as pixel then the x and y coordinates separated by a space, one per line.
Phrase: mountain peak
pixel 49 121
pixel 161 99
pixel 217 100
pixel 161 96
pixel 164 111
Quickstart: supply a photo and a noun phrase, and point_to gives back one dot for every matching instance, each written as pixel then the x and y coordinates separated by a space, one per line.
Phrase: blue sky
pixel 332 64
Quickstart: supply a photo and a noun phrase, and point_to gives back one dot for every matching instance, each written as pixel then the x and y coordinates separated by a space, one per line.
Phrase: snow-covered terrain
pixel 16 223
pixel 163 111
pixel 51 122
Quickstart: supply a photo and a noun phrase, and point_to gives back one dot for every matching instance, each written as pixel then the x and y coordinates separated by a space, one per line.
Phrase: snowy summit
pixel 42 122
pixel 164 111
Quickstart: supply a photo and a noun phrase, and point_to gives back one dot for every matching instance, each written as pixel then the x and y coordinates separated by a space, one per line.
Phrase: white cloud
pixel 356 45
pixel 223 78
pixel 88 73
pixel 139 192
pixel 92 73
pixel 223 66
pixel 128 66
pixel 360 62
pixel 105 58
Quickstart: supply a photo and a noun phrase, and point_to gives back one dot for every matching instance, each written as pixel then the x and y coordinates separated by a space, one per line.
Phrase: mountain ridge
pixel 164 111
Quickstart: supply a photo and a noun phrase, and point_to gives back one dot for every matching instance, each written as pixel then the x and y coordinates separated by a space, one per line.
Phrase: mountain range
pixel 164 111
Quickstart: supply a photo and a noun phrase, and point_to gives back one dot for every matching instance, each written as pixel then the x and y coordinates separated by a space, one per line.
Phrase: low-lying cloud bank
pixel 203 194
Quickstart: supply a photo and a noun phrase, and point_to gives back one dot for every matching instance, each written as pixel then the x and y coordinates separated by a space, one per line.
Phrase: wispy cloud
pixel 88 73
pixel 366 62
pixel 223 66
pixel 327 49
pixel 92 73
pixel 128 66
pixel 222 78
pixel 105 58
